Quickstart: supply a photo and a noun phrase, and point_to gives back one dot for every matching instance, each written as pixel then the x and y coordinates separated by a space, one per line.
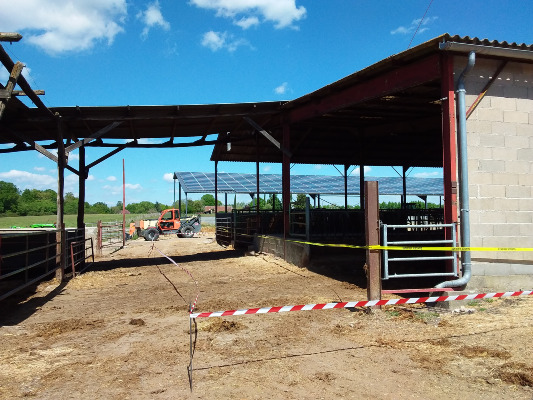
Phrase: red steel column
pixel 449 153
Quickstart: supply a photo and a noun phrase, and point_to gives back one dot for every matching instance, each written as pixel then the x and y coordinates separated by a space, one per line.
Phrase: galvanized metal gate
pixel 416 234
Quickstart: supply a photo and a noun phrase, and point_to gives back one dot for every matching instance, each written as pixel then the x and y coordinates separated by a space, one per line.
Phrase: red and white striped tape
pixel 351 304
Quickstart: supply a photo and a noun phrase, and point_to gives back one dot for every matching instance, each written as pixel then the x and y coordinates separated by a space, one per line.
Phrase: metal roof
pixel 204 182
pixel 386 114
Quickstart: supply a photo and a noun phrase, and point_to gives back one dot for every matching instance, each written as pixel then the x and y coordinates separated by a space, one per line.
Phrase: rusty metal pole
pixel 373 259
pixel 123 204
pixel 216 190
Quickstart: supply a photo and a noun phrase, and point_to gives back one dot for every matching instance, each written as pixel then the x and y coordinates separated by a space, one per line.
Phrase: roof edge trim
pixel 517 54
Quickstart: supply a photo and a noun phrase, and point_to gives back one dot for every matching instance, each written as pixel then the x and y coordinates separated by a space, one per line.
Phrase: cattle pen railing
pixel 316 225
pixel 29 256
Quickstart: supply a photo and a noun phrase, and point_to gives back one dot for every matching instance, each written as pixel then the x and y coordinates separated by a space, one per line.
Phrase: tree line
pixel 14 202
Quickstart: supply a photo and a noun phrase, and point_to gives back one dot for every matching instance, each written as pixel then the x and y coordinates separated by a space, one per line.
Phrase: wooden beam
pixel 24 85
pixel 22 93
pixel 103 158
pixel 268 136
pixel 94 136
pixel 13 78
pixel 10 37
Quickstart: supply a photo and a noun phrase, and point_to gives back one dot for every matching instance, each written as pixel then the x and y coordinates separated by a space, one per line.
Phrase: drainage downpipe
pixel 463 180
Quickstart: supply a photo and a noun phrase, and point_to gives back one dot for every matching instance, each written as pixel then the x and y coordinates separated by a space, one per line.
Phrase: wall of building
pixel 500 173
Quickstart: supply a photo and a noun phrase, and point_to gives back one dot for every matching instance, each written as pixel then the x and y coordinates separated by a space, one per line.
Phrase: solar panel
pixel 204 182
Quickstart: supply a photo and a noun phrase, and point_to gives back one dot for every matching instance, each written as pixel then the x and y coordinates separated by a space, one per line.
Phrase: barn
pixel 461 104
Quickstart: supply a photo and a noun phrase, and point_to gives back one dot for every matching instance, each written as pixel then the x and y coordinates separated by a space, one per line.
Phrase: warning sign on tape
pixel 352 304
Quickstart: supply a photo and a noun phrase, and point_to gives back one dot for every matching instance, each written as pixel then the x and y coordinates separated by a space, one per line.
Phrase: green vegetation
pixel 70 220
pixel 43 203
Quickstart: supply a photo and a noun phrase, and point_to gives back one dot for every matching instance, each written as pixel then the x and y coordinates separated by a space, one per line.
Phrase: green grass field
pixel 70 220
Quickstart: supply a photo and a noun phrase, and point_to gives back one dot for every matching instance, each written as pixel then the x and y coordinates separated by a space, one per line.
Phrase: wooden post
pixel 60 235
pixel 286 182
pixel 346 166
pixel 99 237
pixel 81 202
pixel 373 259
pixel 258 197
pixel 361 186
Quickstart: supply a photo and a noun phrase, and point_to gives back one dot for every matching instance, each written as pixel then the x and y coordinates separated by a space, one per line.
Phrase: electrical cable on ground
pixel 191 306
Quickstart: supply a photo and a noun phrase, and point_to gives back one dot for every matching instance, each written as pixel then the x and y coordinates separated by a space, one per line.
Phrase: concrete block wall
pixel 500 173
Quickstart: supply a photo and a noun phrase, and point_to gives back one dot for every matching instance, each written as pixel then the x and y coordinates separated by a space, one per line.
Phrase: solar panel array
pixel 204 182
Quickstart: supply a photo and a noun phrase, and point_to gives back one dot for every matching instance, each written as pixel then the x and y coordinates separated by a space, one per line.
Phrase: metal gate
pixel 416 234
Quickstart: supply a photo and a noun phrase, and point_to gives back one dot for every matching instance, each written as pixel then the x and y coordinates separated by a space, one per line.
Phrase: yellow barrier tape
pixel 400 248
pixel 407 248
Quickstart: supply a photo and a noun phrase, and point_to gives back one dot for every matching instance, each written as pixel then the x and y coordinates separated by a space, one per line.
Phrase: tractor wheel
pixel 187 232
pixel 151 234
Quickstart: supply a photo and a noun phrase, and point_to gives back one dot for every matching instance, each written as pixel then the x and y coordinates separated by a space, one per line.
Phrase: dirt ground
pixel 120 330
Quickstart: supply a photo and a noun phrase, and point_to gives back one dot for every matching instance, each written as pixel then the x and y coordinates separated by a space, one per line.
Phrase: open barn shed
pixel 457 103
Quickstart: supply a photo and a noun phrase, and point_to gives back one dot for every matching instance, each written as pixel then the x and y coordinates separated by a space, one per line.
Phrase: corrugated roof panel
pixel 204 182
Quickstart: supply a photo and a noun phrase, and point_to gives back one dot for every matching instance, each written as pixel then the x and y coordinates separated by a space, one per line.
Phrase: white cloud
pixel 427 174
pixel 62 26
pixel 267 168
pixel 168 177
pixel 222 40
pixel 152 17
pixel 117 189
pixel 133 186
pixel 27 180
pixel 40 169
pixel 246 13
pixel 214 40
pixel 73 157
pixel 111 178
pixel 406 30
pixel 282 89
pixel 357 170
pixel 90 178
pixel 247 22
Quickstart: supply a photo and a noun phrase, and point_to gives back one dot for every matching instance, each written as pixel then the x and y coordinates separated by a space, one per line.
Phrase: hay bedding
pixel 123 332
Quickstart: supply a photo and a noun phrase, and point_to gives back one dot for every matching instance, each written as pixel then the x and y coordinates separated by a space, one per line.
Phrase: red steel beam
pixel 449 151
pixel 400 78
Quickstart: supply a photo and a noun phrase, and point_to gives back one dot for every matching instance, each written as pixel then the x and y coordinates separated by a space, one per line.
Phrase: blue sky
pixel 118 52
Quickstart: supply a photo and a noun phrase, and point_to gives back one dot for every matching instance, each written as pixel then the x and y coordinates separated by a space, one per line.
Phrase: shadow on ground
pixel 108 265
pixel 18 308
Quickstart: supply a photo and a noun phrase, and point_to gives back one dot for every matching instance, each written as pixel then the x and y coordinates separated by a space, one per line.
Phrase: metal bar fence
pixel 110 234
pixel 27 257
pixel 80 253
pixel 410 230
pixel 27 261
